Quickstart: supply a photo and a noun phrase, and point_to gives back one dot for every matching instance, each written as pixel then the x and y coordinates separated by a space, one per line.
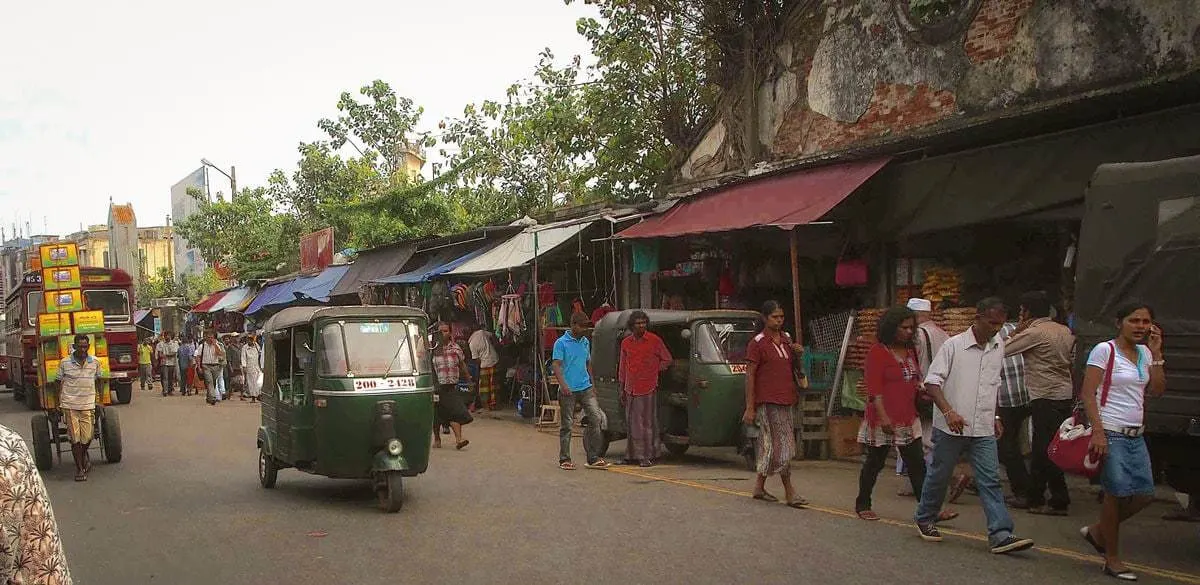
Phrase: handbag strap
pixel 1108 373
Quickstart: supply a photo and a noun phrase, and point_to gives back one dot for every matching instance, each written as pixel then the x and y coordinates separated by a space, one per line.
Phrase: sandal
pixel 597 464
pixel 798 503
pixel 80 477
pixel 766 497
pixel 868 515
pixel 462 444
pixel 566 465
pixel 647 463
pixel 947 515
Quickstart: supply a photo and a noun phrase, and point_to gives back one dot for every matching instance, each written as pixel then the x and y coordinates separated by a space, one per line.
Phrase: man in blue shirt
pixel 573 368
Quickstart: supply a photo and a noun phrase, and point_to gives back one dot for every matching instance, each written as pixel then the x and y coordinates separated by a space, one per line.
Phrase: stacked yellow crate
pixel 62 318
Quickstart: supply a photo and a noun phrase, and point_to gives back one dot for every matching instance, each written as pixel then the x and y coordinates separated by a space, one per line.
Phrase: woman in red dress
pixel 893 381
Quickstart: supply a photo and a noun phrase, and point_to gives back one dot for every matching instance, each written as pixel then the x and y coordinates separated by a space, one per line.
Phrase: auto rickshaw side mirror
pixel 686 334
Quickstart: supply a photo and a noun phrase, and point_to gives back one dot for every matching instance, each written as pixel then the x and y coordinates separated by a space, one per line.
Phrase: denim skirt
pixel 1126 470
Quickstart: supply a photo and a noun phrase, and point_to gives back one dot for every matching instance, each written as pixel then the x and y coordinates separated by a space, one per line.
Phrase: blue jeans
pixel 985 460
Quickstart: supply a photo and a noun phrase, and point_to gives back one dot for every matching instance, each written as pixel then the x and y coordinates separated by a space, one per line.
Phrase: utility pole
pixel 231 175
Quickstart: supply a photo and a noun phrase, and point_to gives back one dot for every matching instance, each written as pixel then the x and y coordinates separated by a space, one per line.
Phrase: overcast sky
pixel 122 98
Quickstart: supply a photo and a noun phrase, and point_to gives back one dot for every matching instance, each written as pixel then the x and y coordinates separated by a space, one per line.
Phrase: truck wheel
pixel 676 449
pixel 268 470
pixel 389 487
pixel 43 454
pixel 124 393
pixel 110 434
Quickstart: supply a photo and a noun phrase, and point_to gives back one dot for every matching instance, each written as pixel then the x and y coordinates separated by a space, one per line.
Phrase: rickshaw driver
pixel 79 381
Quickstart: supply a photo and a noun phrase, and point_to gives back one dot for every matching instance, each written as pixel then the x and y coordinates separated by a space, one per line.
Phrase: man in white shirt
pixel 79 379
pixel 483 352
pixel 168 352
pixel 964 379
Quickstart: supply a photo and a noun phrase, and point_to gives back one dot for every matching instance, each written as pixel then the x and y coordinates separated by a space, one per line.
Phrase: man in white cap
pixel 929 339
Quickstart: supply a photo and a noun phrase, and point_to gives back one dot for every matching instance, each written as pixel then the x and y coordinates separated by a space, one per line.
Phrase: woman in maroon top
pixel 893 380
pixel 770 394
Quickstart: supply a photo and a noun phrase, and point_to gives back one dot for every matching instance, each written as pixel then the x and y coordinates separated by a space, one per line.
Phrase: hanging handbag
pixel 850 273
pixel 1070 448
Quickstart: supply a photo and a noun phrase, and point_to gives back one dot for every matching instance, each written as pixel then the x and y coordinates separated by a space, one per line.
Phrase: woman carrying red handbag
pixel 1137 369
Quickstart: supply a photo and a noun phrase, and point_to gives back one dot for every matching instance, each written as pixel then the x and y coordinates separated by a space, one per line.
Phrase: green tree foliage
pixel 190 287
pixel 244 234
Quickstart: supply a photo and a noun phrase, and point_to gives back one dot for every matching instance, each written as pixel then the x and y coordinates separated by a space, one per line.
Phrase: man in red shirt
pixel 643 357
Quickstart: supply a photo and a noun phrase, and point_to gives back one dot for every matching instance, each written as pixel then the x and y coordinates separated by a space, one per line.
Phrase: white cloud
pixel 123 98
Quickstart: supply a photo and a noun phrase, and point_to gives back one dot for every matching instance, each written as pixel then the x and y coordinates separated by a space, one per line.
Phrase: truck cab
pixel 1140 240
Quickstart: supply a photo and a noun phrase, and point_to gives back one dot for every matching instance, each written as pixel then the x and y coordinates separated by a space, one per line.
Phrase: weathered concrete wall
pixel 861 70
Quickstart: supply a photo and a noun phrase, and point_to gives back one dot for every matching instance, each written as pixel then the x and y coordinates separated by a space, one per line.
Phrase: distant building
pixel 123 251
pixel 187 258
pixel 155 245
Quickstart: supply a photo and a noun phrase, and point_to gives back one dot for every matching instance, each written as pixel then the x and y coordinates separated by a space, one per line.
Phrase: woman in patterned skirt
pixel 770 394
pixel 893 379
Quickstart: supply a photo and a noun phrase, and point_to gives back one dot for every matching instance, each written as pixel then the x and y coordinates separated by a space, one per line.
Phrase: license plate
pixel 385 383
pixel 737 368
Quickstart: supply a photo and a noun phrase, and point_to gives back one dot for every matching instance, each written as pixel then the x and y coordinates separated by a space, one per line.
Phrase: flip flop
pixel 868 515
pixel 80 477
pixel 462 444
pixel 766 497
pixel 798 503
pixel 566 466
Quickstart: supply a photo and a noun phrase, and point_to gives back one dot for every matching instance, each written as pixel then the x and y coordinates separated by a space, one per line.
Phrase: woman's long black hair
pixel 890 322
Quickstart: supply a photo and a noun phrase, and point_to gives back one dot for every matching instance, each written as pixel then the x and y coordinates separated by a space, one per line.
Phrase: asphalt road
pixel 185 507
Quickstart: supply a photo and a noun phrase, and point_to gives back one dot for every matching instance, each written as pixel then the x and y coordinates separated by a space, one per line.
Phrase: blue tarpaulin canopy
pixel 307 288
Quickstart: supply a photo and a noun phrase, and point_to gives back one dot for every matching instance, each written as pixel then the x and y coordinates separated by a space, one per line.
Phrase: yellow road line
pixel 1189 578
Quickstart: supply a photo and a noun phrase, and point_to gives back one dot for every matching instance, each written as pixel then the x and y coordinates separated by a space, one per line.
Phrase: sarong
pixel 81 425
pixel 776 442
pixel 641 418
pixel 487 386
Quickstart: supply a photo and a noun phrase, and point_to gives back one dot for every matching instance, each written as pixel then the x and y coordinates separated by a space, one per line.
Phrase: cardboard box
pixel 50 370
pixel 58 254
pixel 64 301
pixel 843 436
pixel 54 324
pixel 61 278
pixel 105 371
pixel 99 345
pixel 88 321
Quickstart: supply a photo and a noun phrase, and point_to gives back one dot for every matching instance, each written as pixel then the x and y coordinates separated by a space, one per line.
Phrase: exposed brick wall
pixel 993 29
pixel 895 108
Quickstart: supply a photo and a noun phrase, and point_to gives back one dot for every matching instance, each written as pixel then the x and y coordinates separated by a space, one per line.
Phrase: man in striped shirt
pixel 1012 404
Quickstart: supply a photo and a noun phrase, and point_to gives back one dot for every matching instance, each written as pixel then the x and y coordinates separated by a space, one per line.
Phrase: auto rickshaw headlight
pixel 394 447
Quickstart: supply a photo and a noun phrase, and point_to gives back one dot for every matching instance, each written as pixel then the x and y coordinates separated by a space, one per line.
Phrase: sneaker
pixel 929 533
pixel 1012 544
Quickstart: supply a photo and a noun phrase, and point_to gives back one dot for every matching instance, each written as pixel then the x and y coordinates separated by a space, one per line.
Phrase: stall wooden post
pixel 795 249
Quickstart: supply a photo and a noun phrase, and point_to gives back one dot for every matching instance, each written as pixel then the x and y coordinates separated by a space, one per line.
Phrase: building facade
pixel 155 245
pixel 187 258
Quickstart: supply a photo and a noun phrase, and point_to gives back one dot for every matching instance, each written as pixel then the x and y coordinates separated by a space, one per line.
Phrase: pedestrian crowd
pixel 218 365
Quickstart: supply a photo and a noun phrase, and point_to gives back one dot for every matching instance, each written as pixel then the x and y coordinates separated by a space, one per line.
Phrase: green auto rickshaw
pixel 702 396
pixel 347 393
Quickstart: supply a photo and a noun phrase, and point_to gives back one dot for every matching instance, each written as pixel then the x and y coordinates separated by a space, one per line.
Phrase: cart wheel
pixel 389 487
pixel 43 454
pixel 124 393
pixel 110 435
pixel 268 470
pixel 676 449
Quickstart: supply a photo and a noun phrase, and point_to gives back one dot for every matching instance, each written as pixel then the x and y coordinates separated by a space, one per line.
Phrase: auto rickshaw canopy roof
pixel 293 316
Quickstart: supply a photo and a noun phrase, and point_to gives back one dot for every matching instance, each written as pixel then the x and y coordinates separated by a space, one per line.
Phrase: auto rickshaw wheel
pixel 43 454
pixel 389 487
pixel 676 449
pixel 268 470
pixel 123 392
pixel 110 434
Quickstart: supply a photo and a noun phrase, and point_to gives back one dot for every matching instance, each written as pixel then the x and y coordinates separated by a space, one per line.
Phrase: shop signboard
pixel 316 250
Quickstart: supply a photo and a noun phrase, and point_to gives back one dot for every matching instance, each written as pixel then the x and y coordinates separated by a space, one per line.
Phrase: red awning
pixel 207 302
pixel 783 201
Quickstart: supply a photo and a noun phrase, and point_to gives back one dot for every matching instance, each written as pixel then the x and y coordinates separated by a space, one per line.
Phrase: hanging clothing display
pixel 601 311
pixel 645 257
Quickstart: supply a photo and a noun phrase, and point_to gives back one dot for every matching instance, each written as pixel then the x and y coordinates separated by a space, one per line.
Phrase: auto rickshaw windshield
pixel 725 340
pixel 370 349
